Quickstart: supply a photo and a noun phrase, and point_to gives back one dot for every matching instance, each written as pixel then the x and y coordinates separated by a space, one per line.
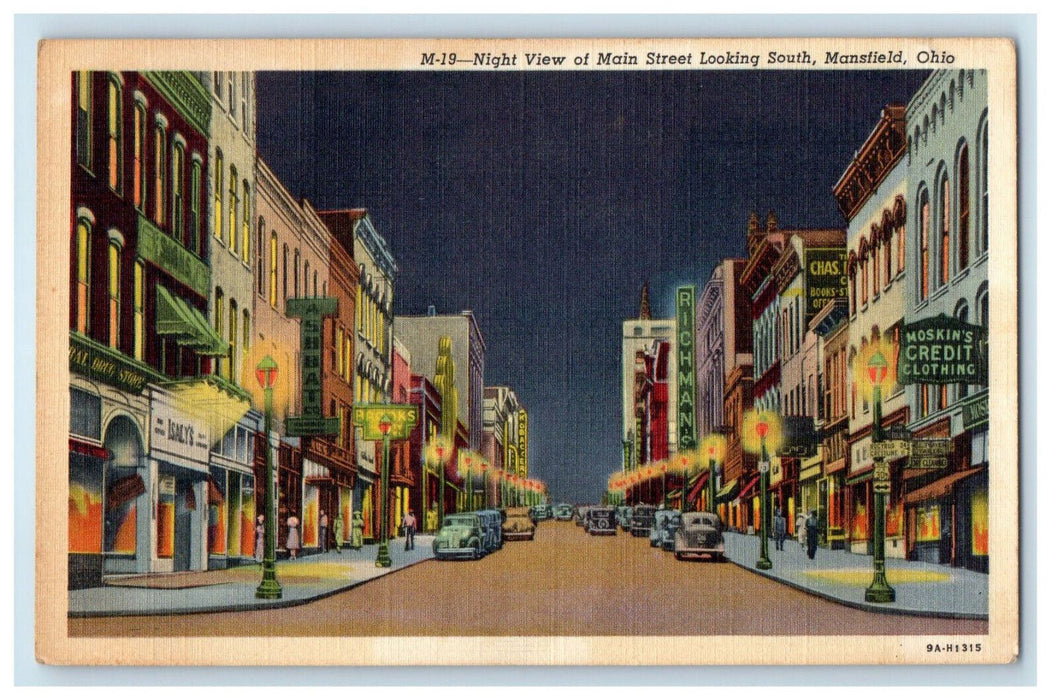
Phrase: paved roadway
pixel 563 583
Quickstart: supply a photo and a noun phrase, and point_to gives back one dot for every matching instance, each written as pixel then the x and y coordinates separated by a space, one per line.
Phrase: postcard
pixel 530 351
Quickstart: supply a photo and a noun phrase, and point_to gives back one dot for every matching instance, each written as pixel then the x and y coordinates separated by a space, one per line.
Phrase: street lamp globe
pixel 267 372
pixel 877 368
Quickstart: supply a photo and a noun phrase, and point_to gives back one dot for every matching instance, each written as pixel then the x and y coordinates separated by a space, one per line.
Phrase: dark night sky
pixel 543 200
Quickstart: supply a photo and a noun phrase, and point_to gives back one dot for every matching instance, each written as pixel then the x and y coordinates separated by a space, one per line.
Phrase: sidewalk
pixel 934 590
pixel 303 580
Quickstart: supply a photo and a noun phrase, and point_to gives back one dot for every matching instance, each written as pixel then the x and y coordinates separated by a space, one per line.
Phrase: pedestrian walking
pixel 356 537
pixel 799 528
pixel 779 525
pixel 324 522
pixel 258 548
pixel 408 523
pixel 339 532
pixel 812 534
pixel 293 541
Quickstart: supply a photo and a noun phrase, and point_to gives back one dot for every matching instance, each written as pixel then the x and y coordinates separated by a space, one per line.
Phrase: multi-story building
pixel 402 477
pixel 500 442
pixel 373 341
pixel 427 490
pixel 292 259
pixel 740 467
pixel 801 279
pixel 947 276
pixel 638 336
pixel 872 197
pixel 825 492
pixel 723 339
pixel 422 335
pixel 144 410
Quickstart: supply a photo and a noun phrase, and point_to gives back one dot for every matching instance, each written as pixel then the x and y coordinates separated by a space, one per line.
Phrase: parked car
pixel 699 534
pixel 538 513
pixel 563 511
pixel 624 517
pixel 462 536
pixel 579 513
pixel 492 523
pixel 642 520
pixel 518 525
pixel 602 520
pixel 664 529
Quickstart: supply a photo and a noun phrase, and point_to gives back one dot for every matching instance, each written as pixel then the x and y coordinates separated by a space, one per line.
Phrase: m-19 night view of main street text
pixel 529 353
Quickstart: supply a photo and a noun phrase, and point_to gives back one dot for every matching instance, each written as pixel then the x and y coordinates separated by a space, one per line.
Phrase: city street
pixel 564 583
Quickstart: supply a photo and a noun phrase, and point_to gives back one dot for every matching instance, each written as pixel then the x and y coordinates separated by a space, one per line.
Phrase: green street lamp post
pixel 269 588
pixel 764 562
pixel 383 560
pixel 879 591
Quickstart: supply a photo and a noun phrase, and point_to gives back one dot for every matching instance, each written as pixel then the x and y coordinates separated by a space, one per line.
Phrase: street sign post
pixel 763 466
pixel 931 447
pixel 928 462
pixel 888 449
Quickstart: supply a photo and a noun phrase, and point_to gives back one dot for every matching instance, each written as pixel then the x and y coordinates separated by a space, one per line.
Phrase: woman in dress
pixel 293 542
pixel 258 549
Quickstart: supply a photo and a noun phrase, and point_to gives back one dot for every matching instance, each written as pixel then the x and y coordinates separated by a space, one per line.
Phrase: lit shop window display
pixel 166 505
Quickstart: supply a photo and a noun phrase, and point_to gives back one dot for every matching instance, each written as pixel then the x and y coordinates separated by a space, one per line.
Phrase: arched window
pixel 863 284
pixel 84 118
pixel 218 195
pixel 944 263
pixel 233 203
pixel 983 159
pixel 315 288
pixel 84 270
pixel 923 245
pixel 962 161
pixel 246 222
pixel 297 270
pixel 114 292
pixel 159 170
pixel 273 271
pixel 139 170
pixel 246 330
pixel 286 255
pixel 852 385
pixel 852 286
pixel 178 191
pixel 196 202
pixel 139 333
pixel 874 269
pixel 218 326
pixel 887 253
pixel 305 279
pixel 900 223
pixel 260 256
pixel 114 141
pixel 233 330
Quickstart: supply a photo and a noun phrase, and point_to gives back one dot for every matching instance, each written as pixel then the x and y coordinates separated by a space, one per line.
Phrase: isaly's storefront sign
pixel 942 350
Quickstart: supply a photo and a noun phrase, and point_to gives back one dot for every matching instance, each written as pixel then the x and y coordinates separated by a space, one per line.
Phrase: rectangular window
pixel 138 294
pixel 260 257
pixel 114 294
pixel 84 119
pixel 245 330
pixel 900 237
pixel 945 232
pixel 114 151
pixel 159 175
pixel 233 329
pixel 924 251
pixel 83 268
pixel 231 92
pixel 218 326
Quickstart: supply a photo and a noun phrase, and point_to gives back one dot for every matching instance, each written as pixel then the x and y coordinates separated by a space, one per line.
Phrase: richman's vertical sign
pixel 311 311
pixel 685 369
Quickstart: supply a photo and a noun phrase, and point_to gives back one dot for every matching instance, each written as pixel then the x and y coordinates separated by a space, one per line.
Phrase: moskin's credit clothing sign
pixel 942 350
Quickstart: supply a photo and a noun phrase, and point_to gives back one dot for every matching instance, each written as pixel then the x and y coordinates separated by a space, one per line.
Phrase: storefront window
pixel 927 527
pixel 246 524
pixel 119 526
pixel 166 516
pixel 85 520
pixel 218 513
pixel 979 522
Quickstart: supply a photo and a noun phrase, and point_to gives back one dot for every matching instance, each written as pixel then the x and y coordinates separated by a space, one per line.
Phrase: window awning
pixel 727 493
pixel 749 486
pixel 700 482
pixel 186 325
pixel 939 488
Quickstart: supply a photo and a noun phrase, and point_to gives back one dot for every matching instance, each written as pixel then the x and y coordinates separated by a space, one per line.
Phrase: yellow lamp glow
pixel 758 426
pixel 873 366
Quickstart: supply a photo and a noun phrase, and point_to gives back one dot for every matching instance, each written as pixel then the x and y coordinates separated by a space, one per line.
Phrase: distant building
pixel 422 333
pixel 638 336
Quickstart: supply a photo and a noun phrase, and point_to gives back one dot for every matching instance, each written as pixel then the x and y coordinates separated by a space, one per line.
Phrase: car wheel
pixel 679 556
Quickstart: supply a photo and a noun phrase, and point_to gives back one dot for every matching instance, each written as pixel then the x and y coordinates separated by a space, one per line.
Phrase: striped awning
pixel 186 324
pixel 727 493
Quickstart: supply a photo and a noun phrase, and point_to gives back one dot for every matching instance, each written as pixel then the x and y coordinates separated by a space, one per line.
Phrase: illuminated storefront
pixel 179 470
pixel 230 496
